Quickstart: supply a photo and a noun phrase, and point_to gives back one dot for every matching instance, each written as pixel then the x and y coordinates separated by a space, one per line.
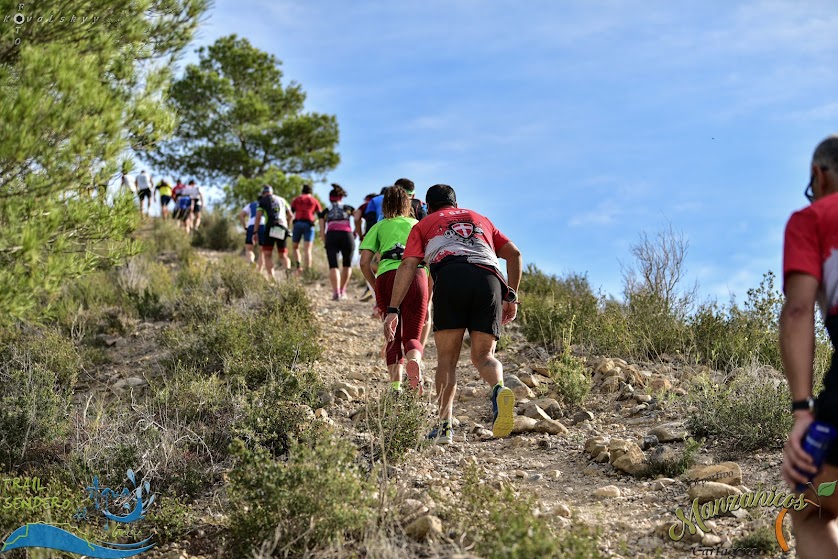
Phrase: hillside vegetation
pixel 261 433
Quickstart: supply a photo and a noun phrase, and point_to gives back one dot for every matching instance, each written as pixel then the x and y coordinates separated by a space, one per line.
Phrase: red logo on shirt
pixel 465 230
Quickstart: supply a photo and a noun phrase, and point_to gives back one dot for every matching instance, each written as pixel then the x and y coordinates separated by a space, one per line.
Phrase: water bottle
pixel 816 443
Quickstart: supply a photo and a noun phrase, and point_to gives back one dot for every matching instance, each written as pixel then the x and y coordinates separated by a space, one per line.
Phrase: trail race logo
pixel 128 502
pixel 465 230
pixel 697 515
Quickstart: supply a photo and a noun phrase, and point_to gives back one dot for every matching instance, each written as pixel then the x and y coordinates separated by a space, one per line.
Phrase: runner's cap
pixel 267 189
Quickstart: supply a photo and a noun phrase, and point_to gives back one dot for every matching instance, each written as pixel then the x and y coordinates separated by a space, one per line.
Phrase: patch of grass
pixel 504 342
pixel 502 525
pixel 279 412
pixel 749 412
pixel 168 520
pixel 238 278
pixel 397 422
pixel 672 467
pixel 273 336
pixel 571 377
pixel 217 232
pixel 317 498
pixel 166 237
pixel 763 539
pixel 38 372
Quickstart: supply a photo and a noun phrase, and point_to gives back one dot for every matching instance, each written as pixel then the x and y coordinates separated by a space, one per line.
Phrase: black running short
pixel 467 296
pixel 826 406
pixel 144 193
pixel 339 242
pixel 268 243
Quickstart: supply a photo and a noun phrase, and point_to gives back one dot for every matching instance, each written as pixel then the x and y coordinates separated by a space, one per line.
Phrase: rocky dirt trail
pixel 576 461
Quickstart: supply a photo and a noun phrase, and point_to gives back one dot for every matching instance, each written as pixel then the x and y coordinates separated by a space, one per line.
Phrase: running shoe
pixel 335 297
pixel 503 405
pixel 366 295
pixel 414 375
pixel 443 434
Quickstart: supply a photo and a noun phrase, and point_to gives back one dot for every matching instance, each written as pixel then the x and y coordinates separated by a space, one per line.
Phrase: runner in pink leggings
pixel 388 238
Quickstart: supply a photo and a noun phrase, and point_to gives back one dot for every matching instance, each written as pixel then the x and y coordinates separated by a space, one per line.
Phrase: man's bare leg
pixel 269 263
pixel 297 255
pixel 815 529
pixel 448 345
pixel 248 251
pixel 483 357
pixel 307 254
pixel 285 262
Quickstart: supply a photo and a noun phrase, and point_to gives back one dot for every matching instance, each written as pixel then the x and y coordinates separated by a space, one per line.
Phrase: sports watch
pixel 511 296
pixel 807 404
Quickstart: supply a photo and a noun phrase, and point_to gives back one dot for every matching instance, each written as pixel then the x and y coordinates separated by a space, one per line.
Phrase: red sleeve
pixel 415 247
pixel 802 247
pixel 317 205
pixel 294 204
pixel 498 238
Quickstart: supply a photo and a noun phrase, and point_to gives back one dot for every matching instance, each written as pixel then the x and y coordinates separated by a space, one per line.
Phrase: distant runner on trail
pixel 470 293
pixel 305 208
pixel 129 183
pixel 144 191
pixel 389 237
pixel 277 215
pixel 198 203
pixel 418 209
pixel 359 233
pixel 247 218
pixel 810 275
pixel 374 212
pixel 183 208
pixel 164 189
pixel 336 232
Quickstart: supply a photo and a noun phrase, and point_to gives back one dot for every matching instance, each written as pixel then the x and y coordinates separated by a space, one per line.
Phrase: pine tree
pixel 76 96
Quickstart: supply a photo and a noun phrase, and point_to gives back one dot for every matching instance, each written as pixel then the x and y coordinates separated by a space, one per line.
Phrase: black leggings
pixel 342 242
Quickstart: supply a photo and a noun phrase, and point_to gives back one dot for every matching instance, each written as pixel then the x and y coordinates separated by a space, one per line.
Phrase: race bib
pixel 277 232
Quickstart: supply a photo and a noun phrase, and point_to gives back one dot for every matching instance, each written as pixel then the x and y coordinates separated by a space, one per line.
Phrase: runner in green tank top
pixel 388 238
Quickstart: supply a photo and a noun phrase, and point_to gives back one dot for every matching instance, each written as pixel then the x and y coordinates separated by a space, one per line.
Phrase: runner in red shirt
pixel 305 208
pixel 810 274
pixel 470 293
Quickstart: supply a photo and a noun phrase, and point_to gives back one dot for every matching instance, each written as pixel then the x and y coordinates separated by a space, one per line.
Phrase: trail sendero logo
pixel 40 535
pixel 699 514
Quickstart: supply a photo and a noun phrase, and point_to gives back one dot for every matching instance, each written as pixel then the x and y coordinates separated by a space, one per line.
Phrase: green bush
pixel 318 498
pixel 38 372
pixel 238 278
pixel 168 521
pixel 551 306
pixel 207 404
pixel 217 232
pixel 573 382
pixel 672 467
pixel 502 525
pixel 167 237
pixel 656 329
pixel 763 539
pixel 648 324
pixel 746 413
pixel 397 422
pixel 274 334
pixel 736 337
pixel 279 412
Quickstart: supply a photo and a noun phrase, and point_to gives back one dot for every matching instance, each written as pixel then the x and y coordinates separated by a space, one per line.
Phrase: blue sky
pixel 574 125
